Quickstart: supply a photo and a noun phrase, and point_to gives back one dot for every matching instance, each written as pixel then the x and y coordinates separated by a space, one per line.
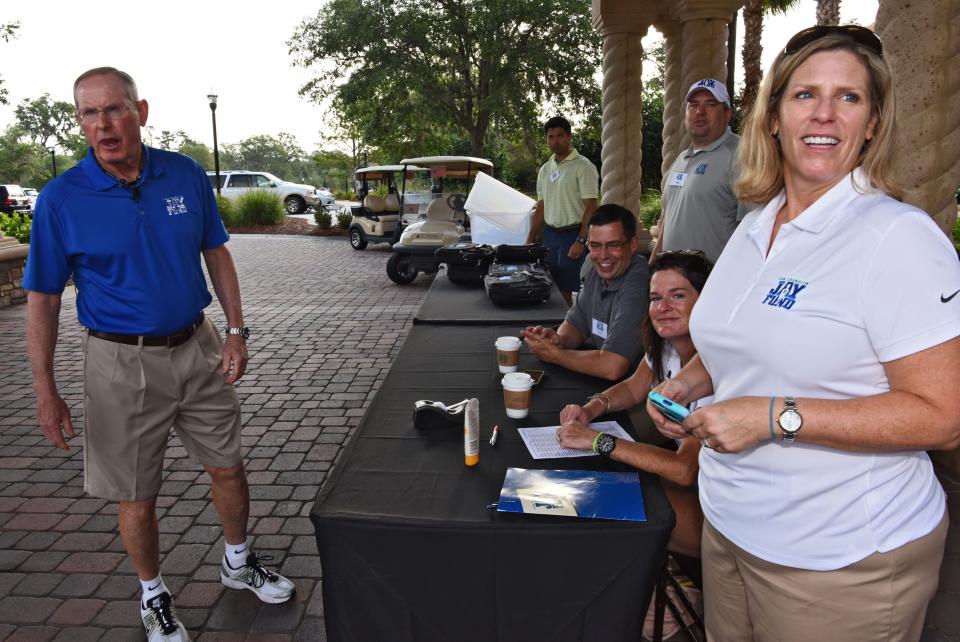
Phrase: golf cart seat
pixel 374 204
pixel 438 210
pixel 391 204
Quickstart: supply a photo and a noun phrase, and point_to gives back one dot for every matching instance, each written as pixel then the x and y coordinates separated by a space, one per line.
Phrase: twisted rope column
pixel 921 40
pixel 673 105
pixel 703 54
pixel 621 134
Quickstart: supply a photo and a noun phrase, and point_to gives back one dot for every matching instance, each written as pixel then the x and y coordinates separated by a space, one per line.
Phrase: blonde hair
pixel 760 157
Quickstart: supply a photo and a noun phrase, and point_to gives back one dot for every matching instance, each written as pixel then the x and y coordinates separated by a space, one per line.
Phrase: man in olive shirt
pixel 566 197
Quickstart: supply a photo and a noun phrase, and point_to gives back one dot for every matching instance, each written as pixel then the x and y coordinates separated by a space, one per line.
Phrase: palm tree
pixel 828 12
pixel 753 12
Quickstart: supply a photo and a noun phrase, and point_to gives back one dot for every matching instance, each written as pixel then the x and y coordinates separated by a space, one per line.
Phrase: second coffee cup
pixel 516 394
pixel 508 354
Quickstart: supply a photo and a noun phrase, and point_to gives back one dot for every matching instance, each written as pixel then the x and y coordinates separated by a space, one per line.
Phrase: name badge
pixel 600 328
pixel 555 176
pixel 677 179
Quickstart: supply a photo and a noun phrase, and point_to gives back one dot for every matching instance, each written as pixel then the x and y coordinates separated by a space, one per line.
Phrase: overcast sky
pixel 179 51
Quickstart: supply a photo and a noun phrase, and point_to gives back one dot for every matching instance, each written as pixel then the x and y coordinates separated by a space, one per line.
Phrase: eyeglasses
pixel 610 246
pixel 858 34
pixel 113 112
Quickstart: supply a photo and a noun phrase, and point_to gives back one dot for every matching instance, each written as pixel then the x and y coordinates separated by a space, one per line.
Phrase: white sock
pixel 236 554
pixel 152 588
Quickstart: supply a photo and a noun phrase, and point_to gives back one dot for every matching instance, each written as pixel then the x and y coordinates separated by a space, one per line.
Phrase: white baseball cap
pixel 715 87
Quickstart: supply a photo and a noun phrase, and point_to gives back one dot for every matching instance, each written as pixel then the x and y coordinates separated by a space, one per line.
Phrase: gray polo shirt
pixel 610 315
pixel 700 211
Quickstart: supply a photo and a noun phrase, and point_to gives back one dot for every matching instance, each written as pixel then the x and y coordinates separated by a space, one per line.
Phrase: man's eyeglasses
pixel 113 112
pixel 858 34
pixel 610 246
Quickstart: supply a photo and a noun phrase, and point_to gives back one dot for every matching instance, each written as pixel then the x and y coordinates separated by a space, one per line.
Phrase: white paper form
pixel 542 441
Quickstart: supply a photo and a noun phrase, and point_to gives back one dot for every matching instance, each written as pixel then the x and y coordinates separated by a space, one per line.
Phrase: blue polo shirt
pixel 135 262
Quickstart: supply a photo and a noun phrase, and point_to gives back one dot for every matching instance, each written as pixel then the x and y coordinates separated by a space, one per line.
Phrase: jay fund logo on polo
pixel 175 205
pixel 784 294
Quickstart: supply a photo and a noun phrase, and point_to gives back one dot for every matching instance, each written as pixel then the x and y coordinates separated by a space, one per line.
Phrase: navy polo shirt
pixel 135 261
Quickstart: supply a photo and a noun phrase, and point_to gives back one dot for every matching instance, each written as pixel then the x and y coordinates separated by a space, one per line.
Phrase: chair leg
pixel 659 603
pixel 688 607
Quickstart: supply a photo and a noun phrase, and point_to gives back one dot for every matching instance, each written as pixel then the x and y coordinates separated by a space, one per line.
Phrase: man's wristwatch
pixel 604 444
pixel 790 420
pixel 581 240
pixel 243 331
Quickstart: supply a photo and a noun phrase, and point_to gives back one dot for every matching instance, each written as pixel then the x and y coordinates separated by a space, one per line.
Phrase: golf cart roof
pixel 375 171
pixel 456 165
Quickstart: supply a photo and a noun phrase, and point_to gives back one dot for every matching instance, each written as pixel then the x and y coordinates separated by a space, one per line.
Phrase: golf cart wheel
pixel 295 205
pixel 400 269
pixel 357 240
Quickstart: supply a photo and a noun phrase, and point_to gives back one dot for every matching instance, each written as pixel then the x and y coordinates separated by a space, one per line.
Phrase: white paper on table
pixel 542 442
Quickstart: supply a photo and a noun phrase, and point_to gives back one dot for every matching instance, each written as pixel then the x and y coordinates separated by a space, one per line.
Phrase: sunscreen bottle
pixel 471 433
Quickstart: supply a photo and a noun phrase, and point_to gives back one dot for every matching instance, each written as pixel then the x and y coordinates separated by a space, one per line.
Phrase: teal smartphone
pixel 670 409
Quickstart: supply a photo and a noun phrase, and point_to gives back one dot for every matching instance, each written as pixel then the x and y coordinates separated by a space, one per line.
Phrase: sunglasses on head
pixel 858 34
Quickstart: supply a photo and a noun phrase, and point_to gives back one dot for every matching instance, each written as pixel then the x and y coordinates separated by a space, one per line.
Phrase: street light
pixel 53 157
pixel 216 152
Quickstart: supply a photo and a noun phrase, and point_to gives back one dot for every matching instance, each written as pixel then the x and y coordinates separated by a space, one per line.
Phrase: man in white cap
pixel 699 210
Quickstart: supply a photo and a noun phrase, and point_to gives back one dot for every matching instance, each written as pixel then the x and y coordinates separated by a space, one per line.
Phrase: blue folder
pixel 581 493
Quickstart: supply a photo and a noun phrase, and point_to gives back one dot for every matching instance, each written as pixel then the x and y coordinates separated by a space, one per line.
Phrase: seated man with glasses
pixel 601 334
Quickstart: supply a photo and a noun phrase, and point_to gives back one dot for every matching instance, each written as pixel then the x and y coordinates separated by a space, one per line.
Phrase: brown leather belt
pixel 170 341
pixel 565 228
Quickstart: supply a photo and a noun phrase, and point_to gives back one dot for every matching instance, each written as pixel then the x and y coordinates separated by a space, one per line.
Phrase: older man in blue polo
pixel 699 209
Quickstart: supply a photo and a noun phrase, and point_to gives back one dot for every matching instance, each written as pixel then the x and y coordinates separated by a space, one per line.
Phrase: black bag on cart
pixel 515 254
pixel 467 263
pixel 518 283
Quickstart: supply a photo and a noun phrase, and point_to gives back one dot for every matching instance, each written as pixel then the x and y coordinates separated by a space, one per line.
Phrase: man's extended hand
pixel 576 251
pixel 235 357
pixel 53 417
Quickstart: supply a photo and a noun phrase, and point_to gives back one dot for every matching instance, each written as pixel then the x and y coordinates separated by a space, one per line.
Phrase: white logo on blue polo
pixel 784 294
pixel 175 205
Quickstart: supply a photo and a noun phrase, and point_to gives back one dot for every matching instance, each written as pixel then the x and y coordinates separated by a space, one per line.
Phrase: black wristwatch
pixel 243 331
pixel 581 240
pixel 605 444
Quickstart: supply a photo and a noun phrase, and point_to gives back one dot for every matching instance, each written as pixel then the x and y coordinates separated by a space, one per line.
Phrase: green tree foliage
pixel 179 141
pixel 280 155
pixel 26 163
pixel 7 32
pixel 48 122
pixel 436 76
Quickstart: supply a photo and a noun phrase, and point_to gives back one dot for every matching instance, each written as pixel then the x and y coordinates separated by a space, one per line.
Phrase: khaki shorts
pixel 133 396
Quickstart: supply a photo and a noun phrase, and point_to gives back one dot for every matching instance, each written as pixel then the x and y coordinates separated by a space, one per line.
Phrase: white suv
pixel 234 183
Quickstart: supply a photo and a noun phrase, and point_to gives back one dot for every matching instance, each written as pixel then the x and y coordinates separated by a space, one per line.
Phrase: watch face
pixel 606 444
pixel 790 421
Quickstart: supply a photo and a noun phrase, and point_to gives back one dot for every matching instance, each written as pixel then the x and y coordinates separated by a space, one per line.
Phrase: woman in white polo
pixel 828 335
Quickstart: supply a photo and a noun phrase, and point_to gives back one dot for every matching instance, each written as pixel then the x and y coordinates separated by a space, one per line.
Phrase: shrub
pixel 16 226
pixel 228 212
pixel 343 220
pixel 259 207
pixel 322 219
pixel 956 233
pixel 649 208
pixel 344 195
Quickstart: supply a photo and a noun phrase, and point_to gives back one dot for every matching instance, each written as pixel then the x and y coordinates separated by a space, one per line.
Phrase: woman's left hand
pixel 731 426
pixel 576 435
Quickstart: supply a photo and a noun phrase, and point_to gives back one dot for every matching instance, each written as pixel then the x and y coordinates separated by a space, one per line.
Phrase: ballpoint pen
pixel 493 437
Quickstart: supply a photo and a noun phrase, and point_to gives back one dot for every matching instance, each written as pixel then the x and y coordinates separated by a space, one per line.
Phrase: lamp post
pixel 53 158
pixel 216 152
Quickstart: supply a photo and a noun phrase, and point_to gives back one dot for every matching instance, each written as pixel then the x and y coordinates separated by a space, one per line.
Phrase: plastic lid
pixel 517 381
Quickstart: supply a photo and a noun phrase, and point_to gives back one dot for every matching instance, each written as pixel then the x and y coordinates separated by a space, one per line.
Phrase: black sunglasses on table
pixel 858 34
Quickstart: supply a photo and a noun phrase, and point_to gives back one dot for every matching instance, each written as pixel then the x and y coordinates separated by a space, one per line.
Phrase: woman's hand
pixel 576 435
pixel 675 390
pixel 573 412
pixel 731 426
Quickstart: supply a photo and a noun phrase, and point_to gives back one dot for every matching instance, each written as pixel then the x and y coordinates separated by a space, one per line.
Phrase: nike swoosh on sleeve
pixel 944 299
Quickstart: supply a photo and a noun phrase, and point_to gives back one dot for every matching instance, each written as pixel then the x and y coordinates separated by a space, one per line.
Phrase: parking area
pixel 326 324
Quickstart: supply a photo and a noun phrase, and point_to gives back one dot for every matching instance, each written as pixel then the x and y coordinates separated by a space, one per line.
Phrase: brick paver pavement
pixel 327 323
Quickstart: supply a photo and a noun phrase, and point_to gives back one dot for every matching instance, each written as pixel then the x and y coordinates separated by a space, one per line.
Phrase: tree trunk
pixel 752 50
pixel 828 12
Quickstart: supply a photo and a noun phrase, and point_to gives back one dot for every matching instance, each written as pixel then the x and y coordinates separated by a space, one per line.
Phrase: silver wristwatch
pixel 790 420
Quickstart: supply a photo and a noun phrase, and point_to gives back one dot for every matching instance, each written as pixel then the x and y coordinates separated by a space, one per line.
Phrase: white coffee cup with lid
pixel 517 387
pixel 508 354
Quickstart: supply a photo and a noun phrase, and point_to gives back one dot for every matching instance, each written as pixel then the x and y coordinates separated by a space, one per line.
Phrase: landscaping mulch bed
pixel 290 226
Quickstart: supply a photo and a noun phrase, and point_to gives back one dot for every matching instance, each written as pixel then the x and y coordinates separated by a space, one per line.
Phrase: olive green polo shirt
pixel 563 185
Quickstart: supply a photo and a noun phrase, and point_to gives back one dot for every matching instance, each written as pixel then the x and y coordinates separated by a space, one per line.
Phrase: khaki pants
pixel 881 598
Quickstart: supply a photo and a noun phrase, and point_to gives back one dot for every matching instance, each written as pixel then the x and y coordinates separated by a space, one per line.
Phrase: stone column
pixel 921 44
pixel 622 24
pixel 673 106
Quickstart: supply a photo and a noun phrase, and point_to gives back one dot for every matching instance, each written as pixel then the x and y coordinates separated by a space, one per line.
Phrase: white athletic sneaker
pixel 160 620
pixel 268 586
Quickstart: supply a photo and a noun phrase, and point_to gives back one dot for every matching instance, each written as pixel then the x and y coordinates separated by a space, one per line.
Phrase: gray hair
pixel 129 85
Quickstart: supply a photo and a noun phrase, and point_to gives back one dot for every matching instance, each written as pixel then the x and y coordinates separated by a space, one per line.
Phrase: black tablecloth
pixel 447 303
pixel 409 549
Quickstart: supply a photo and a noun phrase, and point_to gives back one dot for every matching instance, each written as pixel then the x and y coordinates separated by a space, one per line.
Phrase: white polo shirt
pixel 858 279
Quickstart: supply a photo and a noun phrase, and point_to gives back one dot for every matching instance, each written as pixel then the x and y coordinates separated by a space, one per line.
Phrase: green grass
pixel 259 207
